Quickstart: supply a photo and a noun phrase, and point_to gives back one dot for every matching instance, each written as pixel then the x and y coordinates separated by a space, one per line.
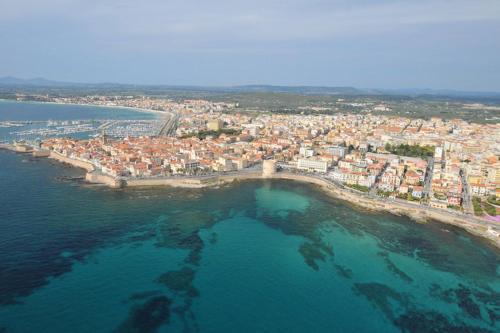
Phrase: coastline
pixel 478 227
pixel 483 228
pixel 94 105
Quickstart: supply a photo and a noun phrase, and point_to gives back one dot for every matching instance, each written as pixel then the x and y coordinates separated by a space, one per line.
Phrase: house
pixel 403 189
pixel 417 192
pixel 454 200
pixel 412 178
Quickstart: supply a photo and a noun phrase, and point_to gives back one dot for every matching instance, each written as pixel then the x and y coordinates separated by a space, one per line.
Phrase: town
pixel 447 164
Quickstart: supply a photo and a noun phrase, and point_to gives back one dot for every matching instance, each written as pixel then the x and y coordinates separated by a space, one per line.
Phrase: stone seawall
pixel 416 212
pixel 96 177
pixel 190 182
pixel 74 162
pixel 471 224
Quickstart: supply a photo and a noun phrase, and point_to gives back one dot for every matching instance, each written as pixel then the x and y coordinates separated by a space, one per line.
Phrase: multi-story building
pixel 314 165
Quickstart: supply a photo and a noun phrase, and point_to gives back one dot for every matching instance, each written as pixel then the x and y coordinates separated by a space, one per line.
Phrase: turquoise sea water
pixel 259 256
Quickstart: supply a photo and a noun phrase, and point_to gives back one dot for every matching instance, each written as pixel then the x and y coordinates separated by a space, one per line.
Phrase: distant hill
pixel 13 82
pixel 437 92
pixel 309 90
pixel 39 82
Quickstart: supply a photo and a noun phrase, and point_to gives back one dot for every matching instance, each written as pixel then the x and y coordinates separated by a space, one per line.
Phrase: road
pixel 466 196
pixel 406 204
pixel 170 125
pixel 428 177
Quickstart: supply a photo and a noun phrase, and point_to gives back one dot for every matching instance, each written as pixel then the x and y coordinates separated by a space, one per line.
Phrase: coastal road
pixel 409 205
pixel 170 125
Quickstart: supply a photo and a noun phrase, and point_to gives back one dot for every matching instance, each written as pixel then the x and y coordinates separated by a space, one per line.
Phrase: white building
pixel 438 153
pixel 337 151
pixel 306 152
pixel 312 165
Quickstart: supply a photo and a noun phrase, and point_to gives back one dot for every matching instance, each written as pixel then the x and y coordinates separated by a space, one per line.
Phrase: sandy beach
pixel 99 105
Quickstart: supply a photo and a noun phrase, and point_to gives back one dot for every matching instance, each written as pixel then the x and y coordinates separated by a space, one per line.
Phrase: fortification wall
pixel 416 212
pixel 99 178
pixel 190 182
pixel 74 162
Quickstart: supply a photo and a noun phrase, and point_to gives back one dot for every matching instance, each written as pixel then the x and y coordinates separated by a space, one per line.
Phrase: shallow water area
pixel 257 256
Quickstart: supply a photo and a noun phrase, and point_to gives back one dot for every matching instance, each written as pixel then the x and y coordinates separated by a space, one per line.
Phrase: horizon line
pixel 407 90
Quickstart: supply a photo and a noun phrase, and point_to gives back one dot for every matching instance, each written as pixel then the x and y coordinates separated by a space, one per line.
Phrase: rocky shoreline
pixel 416 212
pixel 479 227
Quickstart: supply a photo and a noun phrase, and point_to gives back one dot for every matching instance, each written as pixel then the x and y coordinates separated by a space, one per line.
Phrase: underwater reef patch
pixel 147 317
pixel 380 296
pixel 343 271
pixel 433 322
pixel 180 281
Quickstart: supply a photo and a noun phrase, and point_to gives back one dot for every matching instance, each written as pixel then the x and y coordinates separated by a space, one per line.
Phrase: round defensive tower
pixel 268 168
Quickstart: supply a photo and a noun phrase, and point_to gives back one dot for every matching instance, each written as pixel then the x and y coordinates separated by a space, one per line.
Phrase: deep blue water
pixel 260 256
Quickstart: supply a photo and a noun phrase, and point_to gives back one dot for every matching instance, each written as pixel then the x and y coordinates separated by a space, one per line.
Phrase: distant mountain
pixel 13 82
pixel 308 90
pixel 437 92
pixel 39 82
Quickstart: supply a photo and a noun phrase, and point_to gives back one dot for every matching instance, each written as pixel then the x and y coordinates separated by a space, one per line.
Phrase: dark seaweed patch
pixel 446 295
pixel 432 322
pixel 470 300
pixel 394 269
pixel 213 238
pixel 143 295
pixel 444 251
pixel 493 315
pixel 304 224
pixel 180 281
pixel 147 317
pixel 20 280
pixel 466 302
pixel 343 271
pixel 311 254
pixel 490 297
pixel 182 232
pixel 381 296
pixel 187 317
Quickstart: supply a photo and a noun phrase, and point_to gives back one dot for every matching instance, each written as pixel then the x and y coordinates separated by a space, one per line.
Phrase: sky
pixel 395 44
